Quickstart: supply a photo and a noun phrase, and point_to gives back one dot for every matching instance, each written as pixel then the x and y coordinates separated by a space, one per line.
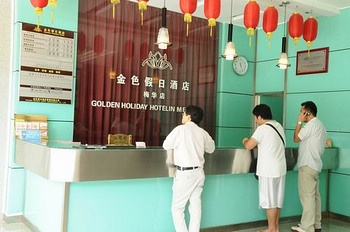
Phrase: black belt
pixel 185 168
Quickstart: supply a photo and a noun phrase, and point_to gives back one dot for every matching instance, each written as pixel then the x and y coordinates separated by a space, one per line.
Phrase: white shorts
pixel 271 192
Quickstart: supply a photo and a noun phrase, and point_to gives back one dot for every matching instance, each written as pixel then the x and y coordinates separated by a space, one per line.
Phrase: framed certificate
pixel 312 61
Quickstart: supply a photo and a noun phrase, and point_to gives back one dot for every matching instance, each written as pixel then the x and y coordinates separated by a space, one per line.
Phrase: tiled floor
pixel 13 227
pixel 328 225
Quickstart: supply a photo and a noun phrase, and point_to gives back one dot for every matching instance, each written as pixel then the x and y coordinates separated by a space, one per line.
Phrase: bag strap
pixel 276 131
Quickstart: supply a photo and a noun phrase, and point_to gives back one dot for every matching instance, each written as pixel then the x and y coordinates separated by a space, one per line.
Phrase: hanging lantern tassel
pixel 114 2
pixel 310 32
pixel 37 28
pixel 211 24
pixel 142 8
pixel 212 11
pixel 251 18
pixel 53 5
pixel 269 36
pixel 112 75
pixel 187 19
pixel 38 10
pixel 188 7
pixel 250 33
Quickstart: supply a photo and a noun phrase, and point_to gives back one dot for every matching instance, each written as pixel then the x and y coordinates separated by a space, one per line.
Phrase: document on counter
pixel 92 146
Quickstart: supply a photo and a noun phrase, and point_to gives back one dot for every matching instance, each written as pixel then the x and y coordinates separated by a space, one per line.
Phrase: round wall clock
pixel 240 65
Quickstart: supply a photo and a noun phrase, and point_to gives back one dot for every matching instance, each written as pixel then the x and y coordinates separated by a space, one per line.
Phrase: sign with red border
pixel 312 61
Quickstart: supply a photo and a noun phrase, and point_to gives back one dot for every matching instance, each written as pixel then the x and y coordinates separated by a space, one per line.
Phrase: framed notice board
pixel 47 62
pixel 312 61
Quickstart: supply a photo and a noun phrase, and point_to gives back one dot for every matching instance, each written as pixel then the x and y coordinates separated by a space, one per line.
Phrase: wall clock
pixel 240 65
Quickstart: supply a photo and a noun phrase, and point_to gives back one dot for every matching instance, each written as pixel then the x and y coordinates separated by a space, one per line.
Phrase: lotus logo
pixel 157 61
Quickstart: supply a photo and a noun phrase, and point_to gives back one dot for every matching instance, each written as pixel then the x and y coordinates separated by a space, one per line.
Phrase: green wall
pixel 234 92
pixel 330 91
pixel 339 200
pixel 60 116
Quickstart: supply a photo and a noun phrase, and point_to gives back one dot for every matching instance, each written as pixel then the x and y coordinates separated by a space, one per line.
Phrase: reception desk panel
pixel 124 185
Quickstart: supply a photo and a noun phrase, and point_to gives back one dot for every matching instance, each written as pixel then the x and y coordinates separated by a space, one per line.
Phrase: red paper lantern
pixel 99 44
pixel 81 41
pixel 295 26
pixel 144 49
pixel 179 56
pixel 310 31
pixel 38 10
pixel 142 8
pixel 129 49
pixel 188 7
pixel 251 17
pixel 212 12
pixel 270 21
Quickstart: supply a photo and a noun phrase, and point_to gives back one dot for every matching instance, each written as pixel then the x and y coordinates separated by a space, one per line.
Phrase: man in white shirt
pixel 189 142
pixel 312 141
pixel 272 167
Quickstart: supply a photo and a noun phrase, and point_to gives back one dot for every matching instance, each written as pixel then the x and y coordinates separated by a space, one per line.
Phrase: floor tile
pixel 328 225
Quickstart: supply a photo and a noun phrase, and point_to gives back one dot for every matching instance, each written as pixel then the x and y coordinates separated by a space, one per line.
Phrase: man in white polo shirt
pixel 189 142
pixel 272 167
pixel 312 141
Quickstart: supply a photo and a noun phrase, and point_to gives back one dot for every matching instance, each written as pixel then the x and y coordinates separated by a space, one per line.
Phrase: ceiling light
pixel 230 50
pixel 163 34
pixel 283 62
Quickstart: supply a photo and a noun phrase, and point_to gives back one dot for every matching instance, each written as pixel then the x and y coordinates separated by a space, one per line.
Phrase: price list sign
pixel 47 61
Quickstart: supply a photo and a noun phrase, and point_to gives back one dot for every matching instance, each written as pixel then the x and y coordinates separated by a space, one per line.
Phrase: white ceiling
pixel 316 7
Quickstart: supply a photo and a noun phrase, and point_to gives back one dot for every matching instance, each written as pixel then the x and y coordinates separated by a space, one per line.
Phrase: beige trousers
pixel 309 194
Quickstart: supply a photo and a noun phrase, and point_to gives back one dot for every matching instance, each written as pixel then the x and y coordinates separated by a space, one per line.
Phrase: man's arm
pixel 249 143
pixel 301 119
pixel 296 132
pixel 209 144
pixel 170 140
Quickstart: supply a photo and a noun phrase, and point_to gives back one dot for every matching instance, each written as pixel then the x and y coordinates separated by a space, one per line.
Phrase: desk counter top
pixel 60 162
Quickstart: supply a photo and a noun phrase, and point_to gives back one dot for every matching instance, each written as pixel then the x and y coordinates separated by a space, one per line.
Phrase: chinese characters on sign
pixel 149 82
pixel 46 68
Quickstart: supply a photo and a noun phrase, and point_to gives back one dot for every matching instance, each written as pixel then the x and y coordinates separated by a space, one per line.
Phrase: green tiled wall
pixel 330 91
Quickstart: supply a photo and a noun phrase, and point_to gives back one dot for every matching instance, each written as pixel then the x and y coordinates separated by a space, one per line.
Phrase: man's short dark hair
pixel 196 113
pixel 310 106
pixel 263 111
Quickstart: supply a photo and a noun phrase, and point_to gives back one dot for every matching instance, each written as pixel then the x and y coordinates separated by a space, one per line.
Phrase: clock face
pixel 240 65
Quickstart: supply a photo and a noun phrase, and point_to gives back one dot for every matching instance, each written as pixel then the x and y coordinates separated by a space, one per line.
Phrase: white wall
pixel 6 10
